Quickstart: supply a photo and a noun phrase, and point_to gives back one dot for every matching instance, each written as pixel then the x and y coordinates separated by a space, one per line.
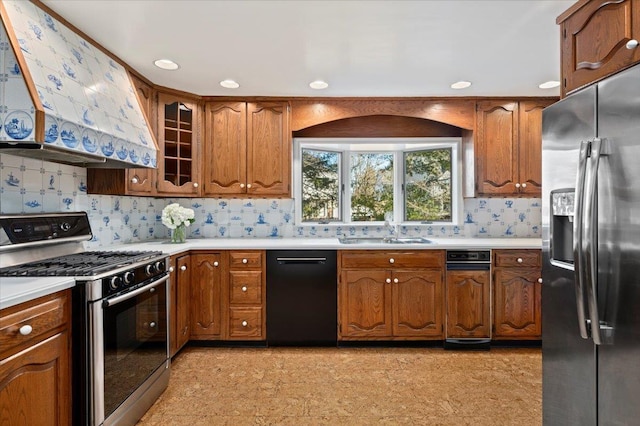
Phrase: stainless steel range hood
pixel 63 99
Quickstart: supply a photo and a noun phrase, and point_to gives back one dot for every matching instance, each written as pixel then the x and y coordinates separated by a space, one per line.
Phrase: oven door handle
pixel 149 287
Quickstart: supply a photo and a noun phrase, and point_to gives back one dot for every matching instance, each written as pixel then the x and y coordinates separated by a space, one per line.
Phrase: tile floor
pixel 351 386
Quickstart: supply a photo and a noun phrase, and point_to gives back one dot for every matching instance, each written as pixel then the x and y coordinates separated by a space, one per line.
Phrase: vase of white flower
pixel 177 218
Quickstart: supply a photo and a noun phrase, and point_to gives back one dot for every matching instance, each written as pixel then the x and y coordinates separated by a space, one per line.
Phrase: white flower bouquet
pixel 177 218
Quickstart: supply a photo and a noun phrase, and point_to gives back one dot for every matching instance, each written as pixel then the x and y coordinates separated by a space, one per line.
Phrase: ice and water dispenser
pixel 561 242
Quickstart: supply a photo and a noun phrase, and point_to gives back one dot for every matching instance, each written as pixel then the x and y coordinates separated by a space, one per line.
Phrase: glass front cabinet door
pixel 178 140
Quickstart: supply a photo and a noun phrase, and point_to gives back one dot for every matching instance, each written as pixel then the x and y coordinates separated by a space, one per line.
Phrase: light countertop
pixel 15 290
pixel 327 244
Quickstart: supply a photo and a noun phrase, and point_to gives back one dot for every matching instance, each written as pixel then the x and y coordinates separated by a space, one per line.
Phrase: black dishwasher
pixel 302 298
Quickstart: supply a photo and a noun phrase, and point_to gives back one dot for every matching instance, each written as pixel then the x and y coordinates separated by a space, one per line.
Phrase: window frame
pixel 397 147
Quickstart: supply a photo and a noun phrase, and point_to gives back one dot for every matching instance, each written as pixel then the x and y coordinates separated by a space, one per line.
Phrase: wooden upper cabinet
pixel 530 146
pixel 509 147
pixel 497 148
pixel 225 169
pixel 598 38
pixel 268 148
pixel 142 181
pixel 178 140
pixel 248 149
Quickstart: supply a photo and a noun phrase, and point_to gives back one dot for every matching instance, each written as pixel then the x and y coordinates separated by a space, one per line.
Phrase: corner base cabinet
pixel 390 295
pixel 35 376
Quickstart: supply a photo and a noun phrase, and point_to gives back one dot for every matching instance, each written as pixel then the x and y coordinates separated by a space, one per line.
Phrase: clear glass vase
pixel 179 235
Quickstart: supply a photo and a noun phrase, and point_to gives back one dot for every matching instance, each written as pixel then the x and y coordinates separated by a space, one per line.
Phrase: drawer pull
pixel 519 260
pixel 245 261
pixel 134 180
pixel 26 330
pixel 244 288
pixel 215 264
pixel 244 323
pixel 392 260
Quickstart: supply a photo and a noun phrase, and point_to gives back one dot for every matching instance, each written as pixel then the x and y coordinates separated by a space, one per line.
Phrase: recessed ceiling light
pixel 461 85
pixel 318 84
pixel 549 84
pixel 166 64
pixel 229 84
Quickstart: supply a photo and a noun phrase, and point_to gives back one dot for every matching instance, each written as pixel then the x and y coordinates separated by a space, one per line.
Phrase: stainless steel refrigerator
pixel 591 255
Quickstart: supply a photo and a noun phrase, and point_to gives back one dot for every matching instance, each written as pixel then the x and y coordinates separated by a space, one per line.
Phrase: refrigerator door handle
pixel 578 231
pixel 591 238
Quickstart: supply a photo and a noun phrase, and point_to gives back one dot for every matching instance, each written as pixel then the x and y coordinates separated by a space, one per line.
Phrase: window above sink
pixel 363 181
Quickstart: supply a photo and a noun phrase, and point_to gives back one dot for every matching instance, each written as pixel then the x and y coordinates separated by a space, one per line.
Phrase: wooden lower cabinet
pixel 246 300
pixel 180 302
pixel 468 304
pixel 392 303
pixel 207 282
pixel 517 290
pixel 35 376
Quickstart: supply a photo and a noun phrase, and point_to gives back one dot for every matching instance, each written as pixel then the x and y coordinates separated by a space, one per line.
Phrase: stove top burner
pixel 84 264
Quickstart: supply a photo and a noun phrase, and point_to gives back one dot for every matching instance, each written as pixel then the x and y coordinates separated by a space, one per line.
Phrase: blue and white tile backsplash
pixel 32 186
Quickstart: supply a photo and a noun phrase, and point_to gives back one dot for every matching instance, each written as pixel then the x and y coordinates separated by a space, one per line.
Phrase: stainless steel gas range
pixel 120 312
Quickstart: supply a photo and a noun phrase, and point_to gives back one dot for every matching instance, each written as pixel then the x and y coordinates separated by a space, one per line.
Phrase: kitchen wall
pixel 34 186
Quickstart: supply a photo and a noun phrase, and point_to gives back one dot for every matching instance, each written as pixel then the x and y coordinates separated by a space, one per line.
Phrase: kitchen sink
pixel 384 240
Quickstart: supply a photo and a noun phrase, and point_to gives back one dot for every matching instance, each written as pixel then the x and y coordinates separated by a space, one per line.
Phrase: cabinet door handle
pixel 519 260
pixel 248 185
pixel 632 44
pixel 215 264
pixel 171 269
pixel 388 280
pixel 242 185
pixel 134 180
pixel 195 184
pixel 244 288
pixel 244 323
pixel 395 280
pixel 517 185
pixel 524 185
pixel 26 330
pixel 540 280
pixel 183 268
pixel 392 260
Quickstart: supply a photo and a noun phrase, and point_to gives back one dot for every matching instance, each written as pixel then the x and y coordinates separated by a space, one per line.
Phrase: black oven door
pixel 129 344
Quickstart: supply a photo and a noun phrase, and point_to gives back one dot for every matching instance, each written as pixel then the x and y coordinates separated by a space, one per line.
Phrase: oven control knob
pixel 128 277
pixel 150 269
pixel 115 282
pixel 65 226
pixel 159 266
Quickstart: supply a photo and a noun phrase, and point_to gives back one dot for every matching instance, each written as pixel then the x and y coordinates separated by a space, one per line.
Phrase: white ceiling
pixel 361 48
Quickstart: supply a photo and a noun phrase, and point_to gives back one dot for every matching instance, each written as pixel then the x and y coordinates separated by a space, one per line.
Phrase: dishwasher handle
pixel 301 260
pixel 468 266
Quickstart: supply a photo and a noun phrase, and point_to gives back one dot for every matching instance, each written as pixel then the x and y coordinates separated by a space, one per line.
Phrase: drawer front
pixel 510 258
pixel 245 323
pixel 245 259
pixel 392 259
pixel 245 287
pixel 40 316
